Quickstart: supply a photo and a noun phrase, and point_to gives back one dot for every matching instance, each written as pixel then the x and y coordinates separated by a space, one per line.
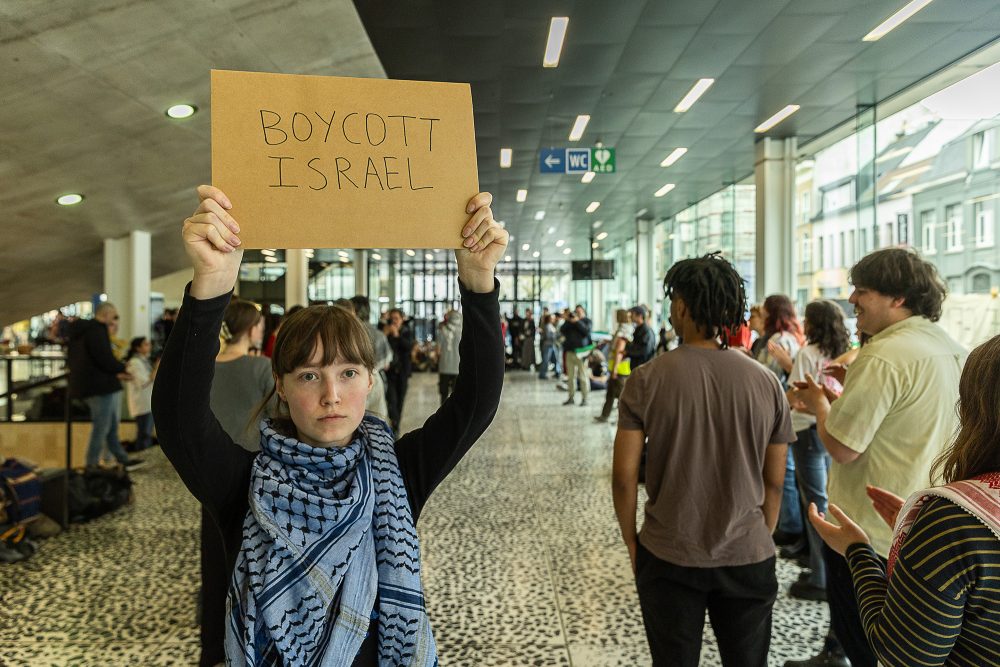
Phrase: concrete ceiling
pixel 85 86
pixel 627 64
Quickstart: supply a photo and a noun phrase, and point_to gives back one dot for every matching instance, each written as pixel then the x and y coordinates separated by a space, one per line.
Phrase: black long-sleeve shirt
pixel 217 471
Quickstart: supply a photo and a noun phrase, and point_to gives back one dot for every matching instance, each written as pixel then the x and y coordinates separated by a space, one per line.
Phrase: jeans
pixel 550 356
pixel 790 516
pixel 845 619
pixel 144 431
pixel 673 600
pixel 813 464
pixel 105 414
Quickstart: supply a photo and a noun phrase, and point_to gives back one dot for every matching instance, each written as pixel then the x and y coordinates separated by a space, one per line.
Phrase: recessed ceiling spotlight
pixel 69 200
pixel 664 190
pixel 536 254
pixel 579 127
pixel 411 253
pixel 696 91
pixel 602 236
pixel 893 21
pixel 593 206
pixel 595 245
pixel 271 259
pixel 506 155
pixel 674 156
pixel 588 177
pixel 507 258
pixel 777 118
pixel 179 111
pixel 560 243
pixel 267 252
pixel 376 256
pixel 597 224
pixel 429 257
pixel 552 230
pixel 522 195
pixel 526 247
pixel 345 260
pixel 554 44
pixel 641 212
pixel 567 251
pixel 540 215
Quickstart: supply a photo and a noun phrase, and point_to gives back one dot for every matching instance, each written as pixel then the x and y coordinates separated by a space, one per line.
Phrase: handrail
pixel 34 385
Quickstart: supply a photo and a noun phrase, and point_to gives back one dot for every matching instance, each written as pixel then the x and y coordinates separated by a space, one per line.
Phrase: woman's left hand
pixel 810 395
pixel 839 537
pixel 484 245
pixel 780 355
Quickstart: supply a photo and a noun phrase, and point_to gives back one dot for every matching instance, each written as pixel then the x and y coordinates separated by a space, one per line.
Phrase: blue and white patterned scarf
pixel 327 530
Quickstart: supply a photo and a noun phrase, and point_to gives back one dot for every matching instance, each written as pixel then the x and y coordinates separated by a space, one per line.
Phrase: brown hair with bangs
pixel 976 449
pixel 340 333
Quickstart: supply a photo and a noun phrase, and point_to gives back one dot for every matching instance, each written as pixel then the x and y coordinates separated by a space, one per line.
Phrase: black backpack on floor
pixel 96 492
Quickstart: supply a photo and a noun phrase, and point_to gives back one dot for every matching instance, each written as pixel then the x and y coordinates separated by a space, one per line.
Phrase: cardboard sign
pixel 332 162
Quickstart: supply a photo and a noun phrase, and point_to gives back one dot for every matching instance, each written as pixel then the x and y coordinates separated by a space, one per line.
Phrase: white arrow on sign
pixel 551 160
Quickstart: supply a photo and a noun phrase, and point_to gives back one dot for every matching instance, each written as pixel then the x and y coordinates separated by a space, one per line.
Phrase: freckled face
pixel 326 403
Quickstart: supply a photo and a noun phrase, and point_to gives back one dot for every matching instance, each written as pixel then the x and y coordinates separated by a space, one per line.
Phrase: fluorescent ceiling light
pixel 595 245
pixel 526 247
pixel 375 255
pixel 588 177
pixel 567 251
pixel 578 128
pixel 597 224
pixel 602 236
pixel 540 215
pixel 891 23
pixel 411 253
pixel 69 200
pixel 179 111
pixel 429 257
pixel 560 243
pixel 777 118
pixel 270 259
pixel 641 212
pixel 522 195
pixel 552 230
pixel 536 254
pixel 553 47
pixel 507 258
pixel 696 91
pixel 664 190
pixel 506 155
pixel 594 205
pixel 310 253
pixel 267 252
pixel 674 156
pixel 342 253
pixel 344 260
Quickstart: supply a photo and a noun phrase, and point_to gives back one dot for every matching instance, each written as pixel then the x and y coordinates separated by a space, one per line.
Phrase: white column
pixel 127 268
pixel 296 278
pixel 644 260
pixel 361 272
pixel 774 174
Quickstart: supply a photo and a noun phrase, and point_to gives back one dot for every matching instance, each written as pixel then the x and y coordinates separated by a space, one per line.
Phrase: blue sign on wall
pixel 577 160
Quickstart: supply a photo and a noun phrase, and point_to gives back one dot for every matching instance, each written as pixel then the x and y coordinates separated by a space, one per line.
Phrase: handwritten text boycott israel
pixel 330 162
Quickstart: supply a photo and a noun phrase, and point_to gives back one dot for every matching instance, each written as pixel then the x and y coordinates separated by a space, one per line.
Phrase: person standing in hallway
pixel 401 342
pixel 550 348
pixel 618 363
pixel 576 337
pixel 896 415
pixel 449 336
pixel 383 357
pixel 516 330
pixel 95 376
pixel 139 390
pixel 713 477
pixel 642 346
pixel 528 346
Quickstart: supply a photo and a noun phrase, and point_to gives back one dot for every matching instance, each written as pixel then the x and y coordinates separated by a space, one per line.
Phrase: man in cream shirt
pixel 896 415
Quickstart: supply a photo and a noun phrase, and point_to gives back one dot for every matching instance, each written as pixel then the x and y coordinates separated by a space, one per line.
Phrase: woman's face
pixel 326 403
pixel 145 347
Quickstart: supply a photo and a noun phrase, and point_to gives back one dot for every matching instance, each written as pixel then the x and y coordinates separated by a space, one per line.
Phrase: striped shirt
pixel 942 605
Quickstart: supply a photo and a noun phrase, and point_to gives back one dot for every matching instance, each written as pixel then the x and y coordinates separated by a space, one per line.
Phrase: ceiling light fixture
pixel 595 245
pixel 526 247
pixel 540 215
pixel 567 251
pixel 594 205
pixel 674 156
pixel 664 190
pixel 597 224
pixel 507 258
pixel 411 253
pixel 554 44
pixel 522 195
pixel 891 23
pixel 536 254
pixel 376 256
pixel 552 230
pixel 578 128
pixel 777 118
pixel 588 177
pixel 602 236
pixel 506 155
pixel 69 200
pixel 429 257
pixel 179 111
pixel 270 259
pixel 696 91
pixel 267 252
pixel 560 243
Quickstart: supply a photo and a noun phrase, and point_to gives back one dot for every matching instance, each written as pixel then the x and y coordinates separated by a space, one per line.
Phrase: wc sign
pixel 600 160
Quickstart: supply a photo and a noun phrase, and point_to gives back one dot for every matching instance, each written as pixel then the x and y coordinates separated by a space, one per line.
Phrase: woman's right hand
pixel 886 503
pixel 211 241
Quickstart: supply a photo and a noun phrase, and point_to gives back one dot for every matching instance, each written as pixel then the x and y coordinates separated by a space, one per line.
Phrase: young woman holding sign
pixel 319 525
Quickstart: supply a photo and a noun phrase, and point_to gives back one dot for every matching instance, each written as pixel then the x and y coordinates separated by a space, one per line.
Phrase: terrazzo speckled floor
pixel 522 560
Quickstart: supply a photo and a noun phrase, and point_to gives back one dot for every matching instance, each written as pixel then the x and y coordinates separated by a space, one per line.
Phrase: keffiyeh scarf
pixel 979 496
pixel 328 530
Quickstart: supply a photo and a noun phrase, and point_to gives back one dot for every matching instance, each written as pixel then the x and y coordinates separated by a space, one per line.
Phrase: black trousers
pixel 615 387
pixel 845 619
pixel 674 599
pixel 214 588
pixel 395 395
pixel 446 385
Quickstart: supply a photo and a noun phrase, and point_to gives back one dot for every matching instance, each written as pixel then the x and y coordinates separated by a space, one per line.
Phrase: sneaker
pixel 803 590
pixel 825 658
pixel 135 464
pixel 583 402
pixel 568 401
pixel 601 419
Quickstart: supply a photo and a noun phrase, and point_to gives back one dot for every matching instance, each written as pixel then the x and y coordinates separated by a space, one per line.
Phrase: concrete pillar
pixel 296 278
pixel 127 268
pixel 774 174
pixel 393 256
pixel 361 272
pixel 644 249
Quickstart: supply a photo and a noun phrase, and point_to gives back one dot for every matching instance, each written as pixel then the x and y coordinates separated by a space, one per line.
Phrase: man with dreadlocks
pixel 716 425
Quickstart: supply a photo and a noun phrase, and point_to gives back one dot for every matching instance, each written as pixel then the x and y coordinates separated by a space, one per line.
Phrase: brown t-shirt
pixel 708 416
